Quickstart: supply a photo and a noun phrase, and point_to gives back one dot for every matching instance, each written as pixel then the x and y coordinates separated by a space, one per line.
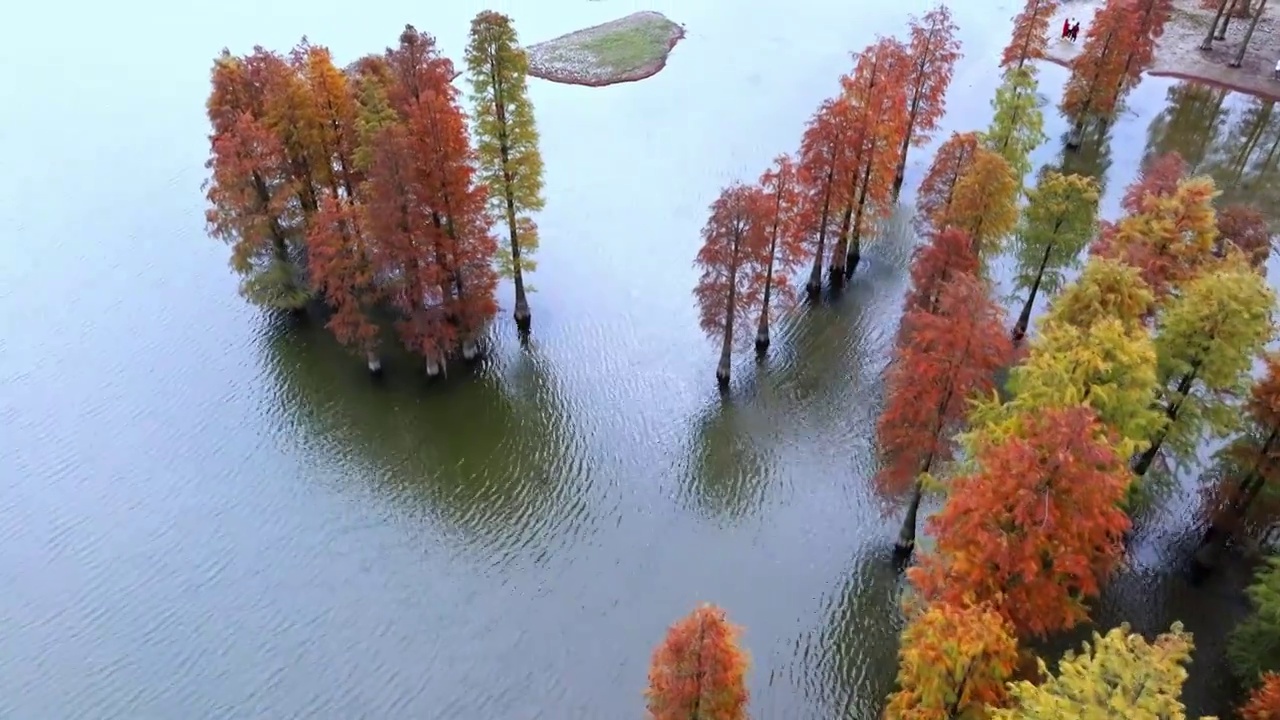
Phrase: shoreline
pixel 545 65
pixel 1178 54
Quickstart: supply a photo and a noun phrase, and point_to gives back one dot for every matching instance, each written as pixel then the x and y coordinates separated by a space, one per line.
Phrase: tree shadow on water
pixel 492 456
pixel 848 665
pixel 730 459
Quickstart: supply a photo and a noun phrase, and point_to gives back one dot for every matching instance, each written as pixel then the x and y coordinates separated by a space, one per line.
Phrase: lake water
pixel 205 514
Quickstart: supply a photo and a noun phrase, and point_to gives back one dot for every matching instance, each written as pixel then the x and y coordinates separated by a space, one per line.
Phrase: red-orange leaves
pixel 735 246
pixel 936 190
pixel 1244 228
pixel 953 663
pixel 1264 700
pixel 1158 178
pixel 823 167
pixel 1098 73
pixel 943 359
pixel 785 227
pixel 341 264
pixel 931 56
pixel 699 670
pixel 1037 528
pixel 948 253
pixel 1030 33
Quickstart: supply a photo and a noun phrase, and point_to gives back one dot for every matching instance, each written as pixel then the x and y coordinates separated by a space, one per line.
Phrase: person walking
pixel 1066 27
pixel 1075 31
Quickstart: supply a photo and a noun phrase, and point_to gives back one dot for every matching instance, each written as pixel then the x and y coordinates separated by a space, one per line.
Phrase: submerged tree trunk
pixel 839 252
pixel 762 333
pixel 1221 530
pixel 1207 44
pixel 1024 319
pixel 726 348
pixel 814 285
pixel 374 362
pixel 1248 34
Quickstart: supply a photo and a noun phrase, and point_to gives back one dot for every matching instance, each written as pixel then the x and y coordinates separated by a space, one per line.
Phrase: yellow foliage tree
pixel 1120 676
pixel 984 201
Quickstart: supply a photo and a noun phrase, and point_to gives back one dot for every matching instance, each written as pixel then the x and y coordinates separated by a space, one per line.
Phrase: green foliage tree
pixel 506 139
pixel 1059 219
pixel 1105 289
pixel 1254 645
pixel 1206 341
pixel 1018 126
pixel 1120 676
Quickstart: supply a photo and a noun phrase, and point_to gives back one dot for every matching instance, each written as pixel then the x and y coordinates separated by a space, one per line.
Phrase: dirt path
pixel 1178 52
pixel 624 50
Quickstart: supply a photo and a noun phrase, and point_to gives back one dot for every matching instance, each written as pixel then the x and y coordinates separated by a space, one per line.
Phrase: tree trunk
pixel 726 348
pixel 470 350
pixel 434 368
pixel 815 276
pixel 1222 28
pixel 906 543
pixel 374 363
pixel 1207 44
pixel 1148 456
pixel 762 333
pixel 838 253
pixel 1024 319
pixel 1219 533
pixel 855 245
pixel 1248 34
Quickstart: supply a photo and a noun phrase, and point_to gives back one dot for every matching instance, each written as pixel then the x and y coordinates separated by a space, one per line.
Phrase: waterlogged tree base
pixel 624 50
pixel 1178 54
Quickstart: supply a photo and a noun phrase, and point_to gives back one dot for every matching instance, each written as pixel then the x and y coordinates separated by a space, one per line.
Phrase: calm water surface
pixel 207 515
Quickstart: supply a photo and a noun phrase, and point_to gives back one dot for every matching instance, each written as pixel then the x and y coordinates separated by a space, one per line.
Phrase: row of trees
pixel 1143 355
pixel 364 188
pixel 816 207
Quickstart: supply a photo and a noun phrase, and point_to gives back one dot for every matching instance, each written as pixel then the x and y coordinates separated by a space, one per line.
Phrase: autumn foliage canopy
pixel 699 670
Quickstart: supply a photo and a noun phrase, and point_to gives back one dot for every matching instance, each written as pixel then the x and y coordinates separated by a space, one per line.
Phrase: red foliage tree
pixel 950 163
pixel 785 225
pixel 947 254
pixel 1098 73
pixel 876 93
pixel 823 166
pixel 1264 700
pixel 1030 34
pixel 735 244
pixel 943 359
pixel 342 268
pixel 1147 19
pixel 1037 529
pixel 1246 229
pixel 463 243
pixel 932 53
pixel 699 670
pixel 1158 178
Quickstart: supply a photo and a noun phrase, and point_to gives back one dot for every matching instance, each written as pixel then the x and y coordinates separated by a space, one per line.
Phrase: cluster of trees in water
pixel 1040 445
pixel 365 189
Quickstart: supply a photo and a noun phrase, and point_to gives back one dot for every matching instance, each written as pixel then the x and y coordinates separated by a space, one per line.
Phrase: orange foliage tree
pixel 1036 528
pixel 950 162
pixel 735 244
pixel 1147 19
pixel 823 166
pixel 1264 700
pixel 876 97
pixel 699 670
pixel 251 190
pixel 1169 237
pixel 1098 73
pixel 943 359
pixel 785 225
pixel 953 662
pixel 984 201
pixel 1030 34
pixel 932 52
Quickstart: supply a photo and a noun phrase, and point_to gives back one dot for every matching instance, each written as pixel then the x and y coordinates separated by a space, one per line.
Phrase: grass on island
pixel 630 48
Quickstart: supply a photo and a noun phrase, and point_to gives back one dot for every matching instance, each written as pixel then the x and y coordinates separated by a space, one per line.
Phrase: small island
pixel 624 50
pixel 1178 51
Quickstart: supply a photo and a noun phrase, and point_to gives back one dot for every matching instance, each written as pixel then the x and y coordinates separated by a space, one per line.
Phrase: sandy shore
pixel 624 50
pixel 1178 52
